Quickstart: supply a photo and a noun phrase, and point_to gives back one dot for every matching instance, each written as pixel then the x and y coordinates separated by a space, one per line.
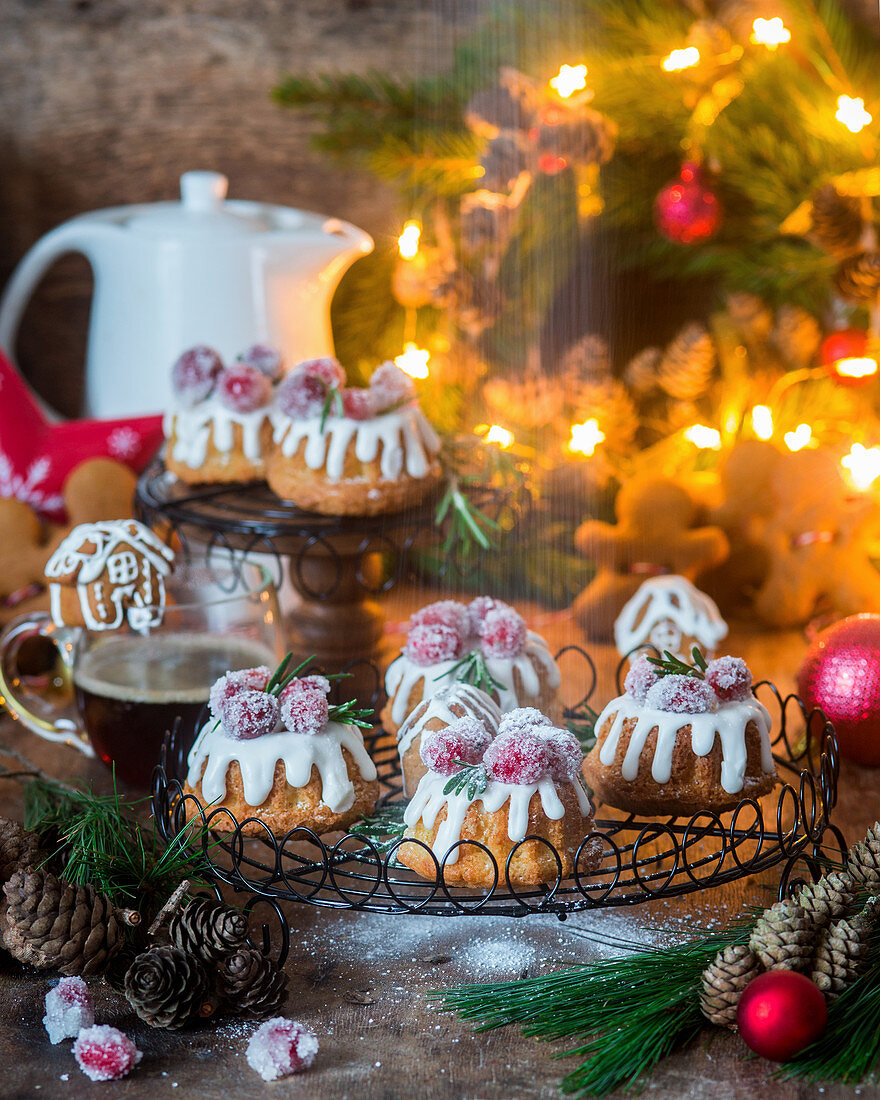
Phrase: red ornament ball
pixel 841 674
pixel 844 355
pixel 780 1013
pixel 686 210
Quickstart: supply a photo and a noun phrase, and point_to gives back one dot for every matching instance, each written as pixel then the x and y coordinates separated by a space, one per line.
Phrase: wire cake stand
pixel 640 858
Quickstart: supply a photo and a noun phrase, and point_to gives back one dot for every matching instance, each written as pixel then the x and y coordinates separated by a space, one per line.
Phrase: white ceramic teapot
pixel 202 271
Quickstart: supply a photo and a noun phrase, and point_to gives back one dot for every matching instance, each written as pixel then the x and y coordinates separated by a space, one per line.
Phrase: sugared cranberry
pixel 431 643
pixel 681 695
pixel 248 714
pixel 358 404
pixel 478 609
pixel 327 370
pixel 444 612
pixel 730 678
pixel 243 389
pixel 195 374
pixel 104 1053
pixel 281 1047
pixel 314 682
pixel 68 1009
pixel 641 678
pixel 566 755
pixel 522 720
pixel 462 742
pixel 267 360
pixel 391 386
pixel 304 710
pixel 502 632
pixel 234 682
pixel 301 395
pixel 517 757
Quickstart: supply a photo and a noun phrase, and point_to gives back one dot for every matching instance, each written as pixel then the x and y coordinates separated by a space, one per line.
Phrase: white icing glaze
pixel 470 699
pixel 403 675
pixel 429 800
pixel 408 442
pixel 728 722
pixel 300 752
pixel 663 611
pixel 210 421
pixel 122 575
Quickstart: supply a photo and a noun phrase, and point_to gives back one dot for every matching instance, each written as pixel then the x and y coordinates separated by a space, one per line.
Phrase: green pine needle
pixel 472 669
pixel 670 665
pixel 384 826
pixel 350 714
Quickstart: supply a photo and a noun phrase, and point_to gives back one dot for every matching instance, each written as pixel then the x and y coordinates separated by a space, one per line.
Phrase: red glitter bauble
pixel 841 674
pixel 780 1013
pixel 686 210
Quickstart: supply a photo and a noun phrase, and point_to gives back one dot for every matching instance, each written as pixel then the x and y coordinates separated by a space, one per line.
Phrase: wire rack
pixel 638 859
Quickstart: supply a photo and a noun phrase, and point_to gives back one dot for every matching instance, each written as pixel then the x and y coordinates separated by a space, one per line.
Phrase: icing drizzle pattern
pixel 403 675
pixel 408 442
pixel 668 599
pixel 728 722
pixel 299 752
pixel 429 800
pixel 469 698
pixel 193 428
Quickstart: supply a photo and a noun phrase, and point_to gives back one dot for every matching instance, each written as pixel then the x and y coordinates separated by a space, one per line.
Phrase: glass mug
pixel 128 687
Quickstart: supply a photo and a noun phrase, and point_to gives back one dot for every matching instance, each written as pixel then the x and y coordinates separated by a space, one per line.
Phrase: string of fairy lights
pixel 853 365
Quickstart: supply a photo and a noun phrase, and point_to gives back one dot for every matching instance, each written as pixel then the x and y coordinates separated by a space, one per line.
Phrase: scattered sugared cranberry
pixel 358 404
pixel 280 1047
pixel 243 389
pixel 301 395
pixel 104 1053
pixel 681 695
pixel 234 682
pixel 327 370
pixel 462 742
pixel 195 374
pixel 730 678
pixel 267 360
pixel 502 632
pixel 517 757
pixel 641 678
pixel 566 755
pixel 248 714
pixel 68 1009
pixel 304 710
pixel 431 643
pixel 445 612
pixel 391 386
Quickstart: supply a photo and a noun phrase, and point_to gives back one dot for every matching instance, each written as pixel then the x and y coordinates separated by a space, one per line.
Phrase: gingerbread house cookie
pixel 105 573
pixel 670 614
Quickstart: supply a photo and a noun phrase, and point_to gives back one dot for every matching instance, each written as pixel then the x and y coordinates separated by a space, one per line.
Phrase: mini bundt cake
pixel 273 751
pixel 486 643
pixel 679 743
pixel 526 782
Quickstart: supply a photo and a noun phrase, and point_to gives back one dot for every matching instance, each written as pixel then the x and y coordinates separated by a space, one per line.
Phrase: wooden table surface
pixel 359 979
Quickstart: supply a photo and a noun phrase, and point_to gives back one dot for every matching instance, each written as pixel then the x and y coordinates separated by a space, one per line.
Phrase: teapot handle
pixel 75 236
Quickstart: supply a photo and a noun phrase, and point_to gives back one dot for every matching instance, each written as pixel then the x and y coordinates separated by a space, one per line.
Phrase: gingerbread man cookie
pixel 655 534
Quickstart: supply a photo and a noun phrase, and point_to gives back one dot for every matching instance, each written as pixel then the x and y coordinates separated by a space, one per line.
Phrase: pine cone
pixel 641 371
pixel 837 220
pixel 750 315
pixel 19 849
pixel 687 364
pixel 252 983
pixel 841 956
pixel 54 925
pixel 783 937
pixel 796 335
pixel 863 864
pixel 828 899
pixel 208 929
pixel 723 980
pixel 167 987
pixel 858 278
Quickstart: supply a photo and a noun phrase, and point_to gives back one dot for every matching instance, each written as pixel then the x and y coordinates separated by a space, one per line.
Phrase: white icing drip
pixel 408 442
pixel 403 675
pixel 429 800
pixel 300 752
pixel 663 611
pixel 728 722
pixel 471 700
pixel 209 421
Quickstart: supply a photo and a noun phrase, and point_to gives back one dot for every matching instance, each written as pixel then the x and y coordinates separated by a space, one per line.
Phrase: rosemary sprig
pixel 350 714
pixel 384 826
pixel 471 778
pixel 472 669
pixel 333 401
pixel 670 665
pixel 467 523
pixel 583 726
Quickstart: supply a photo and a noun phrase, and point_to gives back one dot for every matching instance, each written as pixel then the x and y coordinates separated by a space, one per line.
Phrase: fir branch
pixel 670 665
pixel 472 669
pixel 471 778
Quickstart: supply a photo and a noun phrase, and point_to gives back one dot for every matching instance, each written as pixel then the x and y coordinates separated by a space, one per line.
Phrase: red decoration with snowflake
pixel 37 455
pixel 686 210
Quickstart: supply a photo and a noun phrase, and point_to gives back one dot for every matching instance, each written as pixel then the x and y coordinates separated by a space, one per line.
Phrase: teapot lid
pixel 202 209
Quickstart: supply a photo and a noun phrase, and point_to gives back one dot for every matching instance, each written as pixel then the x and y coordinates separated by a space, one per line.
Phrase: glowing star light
pixel 707 439
pixel 856 368
pixel 569 79
pixel 414 361
pixel 496 434
pixel 762 422
pixel 408 241
pixel 863 465
pixel 770 33
pixel 586 437
pixel 799 438
pixel 681 59
pixel 852 113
